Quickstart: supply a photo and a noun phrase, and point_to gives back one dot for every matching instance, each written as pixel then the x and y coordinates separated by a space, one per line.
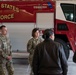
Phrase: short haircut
pixel 2 26
pixel 47 33
pixel 33 31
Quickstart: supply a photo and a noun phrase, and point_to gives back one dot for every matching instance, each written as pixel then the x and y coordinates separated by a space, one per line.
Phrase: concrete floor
pixel 23 69
pixel 71 65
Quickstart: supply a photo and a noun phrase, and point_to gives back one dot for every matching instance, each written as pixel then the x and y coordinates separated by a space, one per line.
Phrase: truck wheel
pixel 66 48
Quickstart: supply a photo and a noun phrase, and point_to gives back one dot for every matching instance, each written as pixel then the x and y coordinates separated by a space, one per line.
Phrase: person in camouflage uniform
pixel 32 44
pixel 5 53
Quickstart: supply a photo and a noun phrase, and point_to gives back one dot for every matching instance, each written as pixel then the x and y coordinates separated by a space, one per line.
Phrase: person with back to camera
pixel 5 52
pixel 49 57
pixel 32 44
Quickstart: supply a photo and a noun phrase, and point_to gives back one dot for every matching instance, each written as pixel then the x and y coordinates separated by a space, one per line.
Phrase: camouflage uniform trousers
pixel 8 66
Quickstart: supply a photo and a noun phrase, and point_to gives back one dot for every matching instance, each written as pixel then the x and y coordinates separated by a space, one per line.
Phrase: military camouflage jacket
pixel 31 47
pixel 5 47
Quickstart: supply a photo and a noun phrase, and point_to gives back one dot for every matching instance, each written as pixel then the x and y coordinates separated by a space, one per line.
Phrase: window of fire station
pixel 68 10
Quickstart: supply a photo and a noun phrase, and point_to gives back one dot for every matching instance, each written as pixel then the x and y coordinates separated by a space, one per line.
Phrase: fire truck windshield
pixel 69 11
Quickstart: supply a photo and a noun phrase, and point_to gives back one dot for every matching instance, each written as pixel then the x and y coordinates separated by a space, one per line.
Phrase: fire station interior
pixel 21 22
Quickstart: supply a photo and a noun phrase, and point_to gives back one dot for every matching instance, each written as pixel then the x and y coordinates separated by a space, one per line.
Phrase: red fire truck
pixel 22 16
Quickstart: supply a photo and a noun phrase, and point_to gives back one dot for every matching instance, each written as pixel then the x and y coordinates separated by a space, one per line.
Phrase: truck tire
pixel 66 48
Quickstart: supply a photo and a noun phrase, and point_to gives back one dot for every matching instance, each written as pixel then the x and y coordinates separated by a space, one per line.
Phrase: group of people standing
pixel 46 57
